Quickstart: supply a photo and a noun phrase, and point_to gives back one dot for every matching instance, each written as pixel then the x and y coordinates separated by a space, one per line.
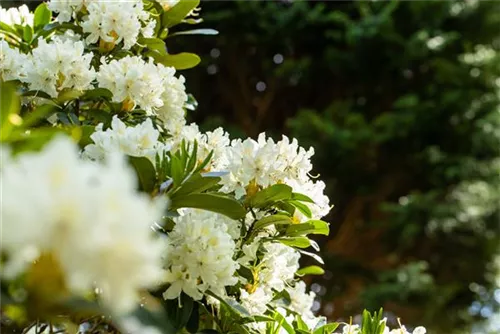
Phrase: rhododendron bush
pixel 117 216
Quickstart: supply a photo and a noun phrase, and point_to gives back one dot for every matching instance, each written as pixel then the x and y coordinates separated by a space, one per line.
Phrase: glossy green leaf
pixel 235 308
pixel 40 113
pixel 310 270
pixel 97 93
pixel 177 13
pixel 282 323
pixel 313 255
pixel 303 208
pixel 154 319
pixel 195 32
pixel 302 198
pixel 278 219
pixel 299 242
pixel 7 28
pixel 27 33
pixel 179 312
pixel 42 16
pixel 327 329
pixel 9 108
pixel 154 44
pixel 145 172
pixel 269 195
pixel 211 202
pixel 180 61
pixel 197 184
pixel 309 227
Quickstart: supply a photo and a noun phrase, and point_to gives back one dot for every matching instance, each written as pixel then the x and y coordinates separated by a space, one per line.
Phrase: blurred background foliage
pixel 401 101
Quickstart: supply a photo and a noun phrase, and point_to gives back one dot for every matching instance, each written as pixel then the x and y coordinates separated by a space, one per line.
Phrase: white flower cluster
pixel 59 64
pixel 13 63
pixel 277 268
pixel 356 329
pixel 52 66
pixel 265 163
pixel 302 303
pixel 20 15
pixel 217 141
pixel 199 256
pixel 146 85
pixel 137 141
pixel 109 21
pixel 87 216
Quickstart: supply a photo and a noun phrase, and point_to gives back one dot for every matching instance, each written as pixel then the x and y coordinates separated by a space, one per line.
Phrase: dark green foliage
pixel 404 121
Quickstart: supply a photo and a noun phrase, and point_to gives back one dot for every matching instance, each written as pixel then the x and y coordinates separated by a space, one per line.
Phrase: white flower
pixel 280 263
pixel 301 302
pixel 87 216
pixel 65 8
pixel 402 330
pixel 174 97
pixel 199 256
pixel 216 141
pixel 116 21
pixel 20 15
pixel 59 64
pixel 257 301
pixel 13 63
pixel 111 21
pixel 265 163
pixel 351 329
pixel 137 83
pixel 138 141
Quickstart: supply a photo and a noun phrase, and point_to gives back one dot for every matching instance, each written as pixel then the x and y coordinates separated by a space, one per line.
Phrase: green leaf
pixel 194 320
pixel 282 323
pixel 40 113
pixel 310 270
pixel 197 184
pixel 176 170
pixel 235 308
pixel 180 61
pixel 9 108
pixel 42 16
pixel 27 33
pixel 69 94
pixel 97 93
pixel 300 324
pixel 270 195
pixel 302 198
pixel 302 208
pixel 211 202
pixel 278 219
pixel 313 255
pixel 299 242
pixel 177 13
pixel 145 172
pixel 195 32
pixel 8 28
pixel 309 227
pixel 326 329
pixel 154 44
pixel 179 312
pixel 154 319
